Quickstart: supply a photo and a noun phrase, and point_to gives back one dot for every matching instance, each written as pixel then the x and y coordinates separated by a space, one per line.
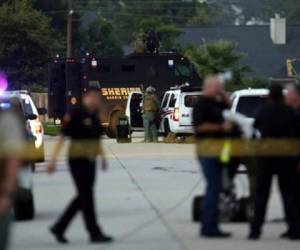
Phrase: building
pixel 263 56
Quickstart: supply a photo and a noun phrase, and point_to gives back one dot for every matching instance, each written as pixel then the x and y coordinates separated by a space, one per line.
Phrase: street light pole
pixel 69 28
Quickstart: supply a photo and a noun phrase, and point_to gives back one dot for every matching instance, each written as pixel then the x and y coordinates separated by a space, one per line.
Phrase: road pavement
pixel 144 201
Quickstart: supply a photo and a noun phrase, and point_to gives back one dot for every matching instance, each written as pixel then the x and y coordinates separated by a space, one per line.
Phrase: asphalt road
pixel 144 201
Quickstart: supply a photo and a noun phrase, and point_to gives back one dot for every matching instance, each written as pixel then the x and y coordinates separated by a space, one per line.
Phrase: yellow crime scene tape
pixel 225 149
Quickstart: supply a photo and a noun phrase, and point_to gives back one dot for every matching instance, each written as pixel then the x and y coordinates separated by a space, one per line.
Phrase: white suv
pixel 177 110
pixel 36 126
pixel 248 101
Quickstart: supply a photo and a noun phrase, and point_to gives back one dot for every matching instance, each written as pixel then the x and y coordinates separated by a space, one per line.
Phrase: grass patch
pixel 51 129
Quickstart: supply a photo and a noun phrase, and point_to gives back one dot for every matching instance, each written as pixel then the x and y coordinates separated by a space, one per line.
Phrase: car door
pixel 134 111
pixel 188 101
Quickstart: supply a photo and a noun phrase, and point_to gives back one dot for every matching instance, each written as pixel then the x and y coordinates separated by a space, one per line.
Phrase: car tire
pixel 167 129
pixel 24 205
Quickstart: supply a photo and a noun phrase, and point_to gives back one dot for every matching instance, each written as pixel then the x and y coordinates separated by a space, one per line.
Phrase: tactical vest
pixel 149 104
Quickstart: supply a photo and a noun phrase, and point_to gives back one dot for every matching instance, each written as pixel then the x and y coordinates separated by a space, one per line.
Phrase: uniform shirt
pixel 11 137
pixel 208 110
pixel 276 120
pixel 85 130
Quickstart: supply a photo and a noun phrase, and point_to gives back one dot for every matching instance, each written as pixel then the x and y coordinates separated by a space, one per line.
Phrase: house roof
pixel 262 55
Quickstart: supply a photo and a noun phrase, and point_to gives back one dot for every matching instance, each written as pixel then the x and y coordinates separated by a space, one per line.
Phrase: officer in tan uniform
pixel 151 112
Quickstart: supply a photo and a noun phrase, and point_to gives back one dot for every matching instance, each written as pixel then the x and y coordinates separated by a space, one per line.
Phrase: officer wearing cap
pixel 151 112
pixel 83 127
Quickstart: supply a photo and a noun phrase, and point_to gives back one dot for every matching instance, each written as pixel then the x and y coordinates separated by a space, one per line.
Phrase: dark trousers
pixel 284 168
pixel 83 172
pixel 212 171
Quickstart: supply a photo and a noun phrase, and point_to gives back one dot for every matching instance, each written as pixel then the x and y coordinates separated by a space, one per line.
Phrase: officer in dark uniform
pixel 82 125
pixel 275 120
pixel 209 123
pixel 293 100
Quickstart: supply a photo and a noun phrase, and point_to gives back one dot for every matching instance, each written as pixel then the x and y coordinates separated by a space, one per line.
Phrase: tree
pixel 101 39
pixel 217 57
pixel 27 43
pixel 126 15
pixel 169 33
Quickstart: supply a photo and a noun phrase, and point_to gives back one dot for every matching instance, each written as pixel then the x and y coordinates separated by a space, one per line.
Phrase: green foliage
pixel 127 15
pixel 215 57
pixel 101 40
pixel 169 33
pixel 27 43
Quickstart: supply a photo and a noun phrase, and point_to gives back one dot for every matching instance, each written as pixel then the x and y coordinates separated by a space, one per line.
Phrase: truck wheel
pixel 166 128
pixel 24 205
pixel 112 127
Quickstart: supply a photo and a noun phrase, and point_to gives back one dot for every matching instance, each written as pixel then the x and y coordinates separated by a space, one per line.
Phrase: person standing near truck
pixel 151 113
pixel 276 120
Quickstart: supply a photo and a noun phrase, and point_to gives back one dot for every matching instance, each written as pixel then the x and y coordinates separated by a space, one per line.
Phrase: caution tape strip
pixel 204 148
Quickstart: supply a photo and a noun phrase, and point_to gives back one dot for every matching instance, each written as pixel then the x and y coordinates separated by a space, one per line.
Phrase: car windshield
pixel 27 108
pixel 190 100
pixel 249 105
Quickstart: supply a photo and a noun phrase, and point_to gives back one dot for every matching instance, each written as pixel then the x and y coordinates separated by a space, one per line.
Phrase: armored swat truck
pixel 115 77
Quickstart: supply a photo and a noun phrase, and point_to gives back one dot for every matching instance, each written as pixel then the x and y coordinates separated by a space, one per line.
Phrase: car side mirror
pixel 42 111
pixel 30 117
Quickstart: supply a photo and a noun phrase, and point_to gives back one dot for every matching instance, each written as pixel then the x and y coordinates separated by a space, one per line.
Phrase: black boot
pixel 58 236
pixel 101 238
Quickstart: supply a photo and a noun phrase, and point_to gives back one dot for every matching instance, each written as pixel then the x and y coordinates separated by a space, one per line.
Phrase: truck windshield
pixel 249 105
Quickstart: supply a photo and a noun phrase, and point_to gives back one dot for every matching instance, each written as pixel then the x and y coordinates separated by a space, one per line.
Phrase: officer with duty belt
pixel 83 126
pixel 276 120
pixel 151 111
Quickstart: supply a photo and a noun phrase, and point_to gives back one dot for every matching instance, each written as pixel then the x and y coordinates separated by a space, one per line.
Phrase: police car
pixel 177 110
pixel 36 126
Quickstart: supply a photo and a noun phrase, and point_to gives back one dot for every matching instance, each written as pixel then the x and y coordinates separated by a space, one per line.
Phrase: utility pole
pixel 69 31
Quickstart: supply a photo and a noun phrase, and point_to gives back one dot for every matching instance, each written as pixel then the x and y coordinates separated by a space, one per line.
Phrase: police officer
pixel 293 100
pixel 151 112
pixel 82 125
pixel 275 120
pixel 209 123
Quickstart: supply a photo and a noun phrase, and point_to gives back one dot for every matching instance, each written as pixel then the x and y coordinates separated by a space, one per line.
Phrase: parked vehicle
pixel 115 77
pixel 36 126
pixel 177 110
pixel 23 206
pixel 248 101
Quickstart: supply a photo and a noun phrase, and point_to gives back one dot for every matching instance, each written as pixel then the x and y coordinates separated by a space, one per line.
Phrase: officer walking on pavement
pixel 82 125
pixel 209 123
pixel 151 112
pixel 275 120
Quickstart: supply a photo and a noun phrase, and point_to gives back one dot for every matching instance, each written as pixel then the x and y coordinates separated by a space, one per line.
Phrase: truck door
pixel 134 111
